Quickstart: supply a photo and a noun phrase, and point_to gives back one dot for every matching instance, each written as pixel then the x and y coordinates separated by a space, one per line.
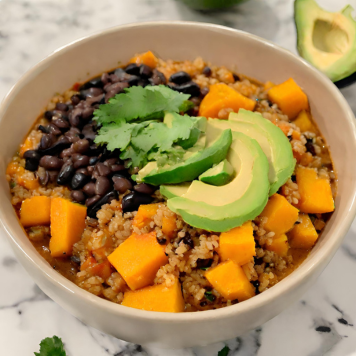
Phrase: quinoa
pixel 190 251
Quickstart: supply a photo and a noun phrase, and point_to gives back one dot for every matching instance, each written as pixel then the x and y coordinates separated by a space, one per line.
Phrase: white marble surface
pixel 29 30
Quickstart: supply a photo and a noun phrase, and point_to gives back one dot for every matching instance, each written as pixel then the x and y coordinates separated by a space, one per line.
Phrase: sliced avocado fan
pixel 218 175
pixel 326 39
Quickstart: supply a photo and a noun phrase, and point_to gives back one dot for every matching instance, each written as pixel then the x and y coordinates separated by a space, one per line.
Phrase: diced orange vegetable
pixel 238 244
pixel 28 183
pixel 228 77
pixel 304 122
pixel 147 58
pixel 67 226
pixel 289 97
pixel 169 225
pixel 268 85
pixel 138 259
pixel 27 145
pixel 89 262
pixel 157 298
pixel 12 168
pixel 304 234
pixel 316 195
pixel 279 245
pixel 221 96
pixel 145 215
pixel 36 211
pixel 230 281
pixel 280 215
pixel 92 267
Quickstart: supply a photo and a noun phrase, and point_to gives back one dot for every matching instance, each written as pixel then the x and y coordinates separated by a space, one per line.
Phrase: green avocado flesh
pixel 326 39
pixel 243 198
pixel 176 190
pixel 272 140
pixel 194 163
pixel 219 174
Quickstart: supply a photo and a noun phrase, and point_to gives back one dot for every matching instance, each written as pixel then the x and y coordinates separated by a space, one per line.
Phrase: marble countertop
pixel 322 323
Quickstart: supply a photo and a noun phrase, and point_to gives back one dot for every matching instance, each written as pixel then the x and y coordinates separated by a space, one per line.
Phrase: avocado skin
pixel 193 166
pixel 343 83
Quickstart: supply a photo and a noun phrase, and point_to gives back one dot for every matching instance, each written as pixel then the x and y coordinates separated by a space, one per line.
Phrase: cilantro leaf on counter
pixel 224 351
pixel 138 103
pixel 51 346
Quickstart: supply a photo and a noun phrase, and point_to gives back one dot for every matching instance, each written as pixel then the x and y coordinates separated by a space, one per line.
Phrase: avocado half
pixel 326 39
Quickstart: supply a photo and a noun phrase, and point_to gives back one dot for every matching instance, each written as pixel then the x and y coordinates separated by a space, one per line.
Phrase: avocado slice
pixel 194 163
pixel 174 190
pixel 218 175
pixel 326 39
pixel 272 140
pixel 222 208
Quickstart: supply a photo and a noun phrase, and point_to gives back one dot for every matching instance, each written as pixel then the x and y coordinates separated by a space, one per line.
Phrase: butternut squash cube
pixel 145 215
pixel 147 58
pixel 230 281
pixel 289 97
pixel 304 122
pixel 279 245
pixel 304 234
pixel 238 244
pixel 221 96
pixel 316 195
pixel 67 226
pixel 157 298
pixel 35 211
pixel 138 259
pixel 280 214
pixel 169 225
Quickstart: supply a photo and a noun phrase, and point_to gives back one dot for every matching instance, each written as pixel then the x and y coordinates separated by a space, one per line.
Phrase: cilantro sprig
pixel 132 123
pixel 51 346
pixel 224 351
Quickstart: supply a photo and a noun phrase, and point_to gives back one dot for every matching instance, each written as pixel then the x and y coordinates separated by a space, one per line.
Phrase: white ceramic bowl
pixel 252 56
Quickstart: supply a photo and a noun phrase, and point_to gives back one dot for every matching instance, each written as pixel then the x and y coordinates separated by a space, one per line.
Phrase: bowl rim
pixel 307 267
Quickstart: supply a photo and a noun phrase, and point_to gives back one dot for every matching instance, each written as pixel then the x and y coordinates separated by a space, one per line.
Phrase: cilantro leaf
pixel 209 295
pixel 51 346
pixel 224 351
pixel 141 103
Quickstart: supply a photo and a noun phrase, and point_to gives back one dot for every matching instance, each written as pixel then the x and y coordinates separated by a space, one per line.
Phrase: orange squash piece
pixel 35 211
pixel 280 214
pixel 67 226
pixel 289 97
pixel 157 298
pixel 230 281
pixel 27 145
pixel 304 122
pixel 279 245
pixel 238 244
pixel 138 259
pixel 145 215
pixel 28 183
pixel 315 192
pixel 147 58
pixel 304 234
pixel 94 268
pixel 169 225
pixel 221 96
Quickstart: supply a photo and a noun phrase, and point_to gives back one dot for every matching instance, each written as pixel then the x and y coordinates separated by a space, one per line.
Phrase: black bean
pixel 180 78
pixel 81 161
pixel 236 77
pixel 117 168
pixel 187 240
pixel 51 162
pixel 73 135
pixel 75 99
pixel 133 68
pixel 93 160
pixel 204 263
pixel 89 189
pixel 48 115
pixel 204 91
pixel 133 80
pixel 79 180
pixel 62 107
pixel 258 261
pixel 310 147
pixel 32 155
pixel 102 169
pixel 121 184
pixel 203 304
pixel 75 259
pixel 207 71
pixel 293 178
pixel 100 99
pixel 95 82
pixel 91 92
pixel 144 188
pixel 256 284
pixel 143 83
pixel 270 104
pixel 53 175
pixel 95 150
pixel 145 71
pixel 88 132
pixel 53 129
pixel 102 185
pixel 67 152
pixel 133 200
pixel 43 176
pixel 31 166
pixel 115 89
pixel 157 78
pixel 188 88
pixel 57 148
pixel 119 75
pixel 91 201
pixel 107 198
pixel 65 174
pixel 61 123
pixel 47 141
pixel 77 196
pixel 161 240
pixel 105 78
pixel 87 113
pixel 83 170
pixel 81 146
pixel 43 129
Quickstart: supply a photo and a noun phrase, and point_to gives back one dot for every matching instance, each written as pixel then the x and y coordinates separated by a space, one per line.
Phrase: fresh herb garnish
pixel 224 351
pixel 51 346
pixel 132 123
pixel 210 296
